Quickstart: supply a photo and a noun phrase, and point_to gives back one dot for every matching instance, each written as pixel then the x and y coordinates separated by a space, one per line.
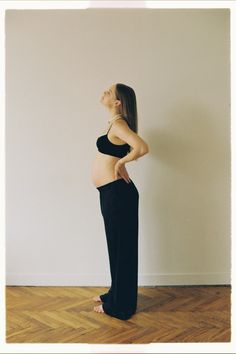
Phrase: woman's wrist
pixel 133 155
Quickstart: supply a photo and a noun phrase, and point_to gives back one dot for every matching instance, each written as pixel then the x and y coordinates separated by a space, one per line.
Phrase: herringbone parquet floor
pixel 164 314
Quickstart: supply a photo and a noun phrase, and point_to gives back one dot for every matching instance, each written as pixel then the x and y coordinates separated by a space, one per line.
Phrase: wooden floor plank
pixel 164 314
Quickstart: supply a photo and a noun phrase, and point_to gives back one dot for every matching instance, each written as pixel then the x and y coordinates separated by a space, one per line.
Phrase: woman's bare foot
pixel 97 298
pixel 98 308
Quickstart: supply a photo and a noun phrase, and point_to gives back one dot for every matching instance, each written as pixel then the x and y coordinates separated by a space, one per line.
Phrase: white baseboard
pixel 62 279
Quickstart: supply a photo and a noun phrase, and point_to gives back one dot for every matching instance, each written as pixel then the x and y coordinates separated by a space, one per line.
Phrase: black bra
pixel 105 146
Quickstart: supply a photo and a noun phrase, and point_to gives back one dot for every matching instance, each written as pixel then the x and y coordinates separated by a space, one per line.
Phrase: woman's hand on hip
pixel 120 170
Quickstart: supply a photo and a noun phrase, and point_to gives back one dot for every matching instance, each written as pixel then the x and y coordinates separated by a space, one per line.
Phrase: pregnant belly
pixel 103 169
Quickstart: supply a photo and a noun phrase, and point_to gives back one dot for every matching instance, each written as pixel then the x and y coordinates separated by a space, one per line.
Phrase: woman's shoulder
pixel 120 121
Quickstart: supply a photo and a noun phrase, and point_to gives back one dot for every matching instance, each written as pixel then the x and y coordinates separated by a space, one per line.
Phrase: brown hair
pixel 128 107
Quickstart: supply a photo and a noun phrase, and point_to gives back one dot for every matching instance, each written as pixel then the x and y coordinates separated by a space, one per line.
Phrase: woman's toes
pixel 98 308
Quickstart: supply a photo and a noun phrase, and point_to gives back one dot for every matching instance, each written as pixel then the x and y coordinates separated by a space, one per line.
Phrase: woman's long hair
pixel 128 107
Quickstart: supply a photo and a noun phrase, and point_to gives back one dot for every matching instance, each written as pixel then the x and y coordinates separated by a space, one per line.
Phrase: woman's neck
pixel 115 117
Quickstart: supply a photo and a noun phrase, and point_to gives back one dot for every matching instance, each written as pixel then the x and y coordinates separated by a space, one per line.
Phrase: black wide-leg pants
pixel 119 201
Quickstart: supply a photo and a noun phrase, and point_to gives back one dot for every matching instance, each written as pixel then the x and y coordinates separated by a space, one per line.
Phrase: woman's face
pixel 108 98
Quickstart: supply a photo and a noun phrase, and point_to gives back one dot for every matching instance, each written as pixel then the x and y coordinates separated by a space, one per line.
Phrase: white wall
pixel 58 62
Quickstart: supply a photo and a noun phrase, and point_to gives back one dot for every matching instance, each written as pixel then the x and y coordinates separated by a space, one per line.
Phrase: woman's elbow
pixel 145 149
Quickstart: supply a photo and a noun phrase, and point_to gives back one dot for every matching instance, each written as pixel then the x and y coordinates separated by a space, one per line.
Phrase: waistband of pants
pixel 116 182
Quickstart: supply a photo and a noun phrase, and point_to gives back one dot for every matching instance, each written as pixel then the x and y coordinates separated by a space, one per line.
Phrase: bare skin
pixel 97 298
pixel 98 309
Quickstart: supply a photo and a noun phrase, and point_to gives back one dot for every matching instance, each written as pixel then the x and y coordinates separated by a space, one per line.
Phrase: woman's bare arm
pixel 140 147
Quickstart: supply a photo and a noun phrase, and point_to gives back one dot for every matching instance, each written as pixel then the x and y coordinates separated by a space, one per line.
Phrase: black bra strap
pixel 109 128
pixel 111 125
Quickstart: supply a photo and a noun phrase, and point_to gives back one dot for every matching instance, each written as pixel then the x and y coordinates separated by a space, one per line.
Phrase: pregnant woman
pixel 119 199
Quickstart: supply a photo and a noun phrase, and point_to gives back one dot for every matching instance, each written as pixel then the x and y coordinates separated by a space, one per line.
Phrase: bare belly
pixel 103 169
